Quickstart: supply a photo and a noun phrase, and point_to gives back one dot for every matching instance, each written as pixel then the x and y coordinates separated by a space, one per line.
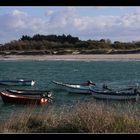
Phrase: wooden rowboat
pixel 25 97
pixel 83 88
pixel 116 94
pixel 18 82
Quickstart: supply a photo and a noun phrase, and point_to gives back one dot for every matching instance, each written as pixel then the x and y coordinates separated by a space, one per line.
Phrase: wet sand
pixel 108 57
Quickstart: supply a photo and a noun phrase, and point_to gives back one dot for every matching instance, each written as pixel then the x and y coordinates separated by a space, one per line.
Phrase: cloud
pixel 49 13
pixel 17 23
pixel 68 21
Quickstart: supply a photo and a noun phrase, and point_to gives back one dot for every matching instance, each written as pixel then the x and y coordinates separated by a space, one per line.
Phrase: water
pixel 114 73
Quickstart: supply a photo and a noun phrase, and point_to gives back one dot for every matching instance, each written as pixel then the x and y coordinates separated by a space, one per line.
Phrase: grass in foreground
pixel 84 118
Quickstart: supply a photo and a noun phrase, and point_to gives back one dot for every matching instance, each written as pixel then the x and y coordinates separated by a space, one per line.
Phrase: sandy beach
pixel 108 57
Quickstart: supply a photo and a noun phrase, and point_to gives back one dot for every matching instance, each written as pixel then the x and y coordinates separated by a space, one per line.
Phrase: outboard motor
pixel 105 86
pixel 135 90
pixel 89 82
pixel 47 95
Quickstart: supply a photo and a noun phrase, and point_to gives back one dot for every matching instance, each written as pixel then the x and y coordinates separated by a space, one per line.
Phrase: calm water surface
pixel 114 73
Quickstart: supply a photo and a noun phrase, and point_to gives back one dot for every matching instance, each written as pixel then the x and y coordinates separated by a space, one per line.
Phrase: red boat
pixel 9 97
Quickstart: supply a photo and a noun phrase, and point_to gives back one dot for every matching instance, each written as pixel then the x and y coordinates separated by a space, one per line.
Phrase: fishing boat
pixel 28 92
pixel 17 82
pixel 126 94
pixel 26 96
pixel 83 88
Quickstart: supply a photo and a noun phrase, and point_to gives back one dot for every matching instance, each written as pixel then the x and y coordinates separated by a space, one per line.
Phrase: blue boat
pixel 126 94
pixel 17 82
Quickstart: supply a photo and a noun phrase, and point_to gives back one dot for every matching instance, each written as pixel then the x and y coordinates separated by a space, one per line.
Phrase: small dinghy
pixel 83 88
pixel 126 94
pixel 18 82
pixel 26 96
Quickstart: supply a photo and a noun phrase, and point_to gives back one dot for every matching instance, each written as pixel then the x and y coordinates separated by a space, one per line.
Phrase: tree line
pixel 57 42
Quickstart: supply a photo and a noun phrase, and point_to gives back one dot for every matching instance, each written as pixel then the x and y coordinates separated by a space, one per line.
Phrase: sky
pixel 116 23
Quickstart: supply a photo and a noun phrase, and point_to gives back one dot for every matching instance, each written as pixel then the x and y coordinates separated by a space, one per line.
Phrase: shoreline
pixel 94 57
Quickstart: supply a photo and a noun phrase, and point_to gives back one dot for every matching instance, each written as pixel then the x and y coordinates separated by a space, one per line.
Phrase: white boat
pixel 17 82
pixel 76 88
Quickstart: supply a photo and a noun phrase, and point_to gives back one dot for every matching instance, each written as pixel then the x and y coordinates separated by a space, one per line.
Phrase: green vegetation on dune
pixel 83 118
pixel 66 44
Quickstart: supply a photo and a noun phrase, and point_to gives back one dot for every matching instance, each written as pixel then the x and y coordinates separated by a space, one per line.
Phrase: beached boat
pixel 125 94
pixel 83 88
pixel 26 96
pixel 17 82
pixel 28 92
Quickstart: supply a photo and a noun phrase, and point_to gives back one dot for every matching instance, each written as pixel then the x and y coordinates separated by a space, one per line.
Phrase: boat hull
pixel 22 99
pixel 115 96
pixel 20 82
pixel 27 92
pixel 77 90
pixel 71 88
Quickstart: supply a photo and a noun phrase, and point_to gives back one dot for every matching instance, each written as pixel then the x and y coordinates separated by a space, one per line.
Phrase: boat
pixel 83 88
pixel 28 92
pixel 26 96
pixel 17 82
pixel 123 94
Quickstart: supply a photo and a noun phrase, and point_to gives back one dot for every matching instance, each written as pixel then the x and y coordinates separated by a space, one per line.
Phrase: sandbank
pixel 94 57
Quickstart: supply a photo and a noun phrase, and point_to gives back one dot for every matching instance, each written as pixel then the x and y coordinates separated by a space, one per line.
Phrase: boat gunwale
pixel 19 96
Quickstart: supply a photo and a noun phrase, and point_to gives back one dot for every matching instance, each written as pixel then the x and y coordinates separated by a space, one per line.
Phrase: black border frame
pixel 69 2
